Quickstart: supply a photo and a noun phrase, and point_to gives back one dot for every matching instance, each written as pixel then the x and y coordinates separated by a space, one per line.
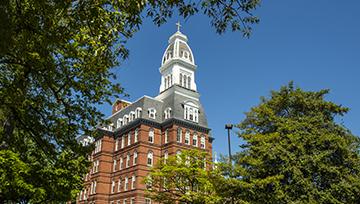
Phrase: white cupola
pixel 178 64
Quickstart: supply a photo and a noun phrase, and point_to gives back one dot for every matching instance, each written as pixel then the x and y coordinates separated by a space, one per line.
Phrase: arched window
pixel 119 123
pixel 129 139
pixel 166 136
pixel 119 185
pixel 166 156
pixel 195 139
pixel 135 157
pixel 114 165
pixel 187 137
pixel 133 182
pixel 178 156
pixel 189 82
pixel 179 135
pixel 152 113
pixel 167 113
pixel 125 119
pixel 138 112
pixel 136 134
pixel 202 142
pixel 150 158
pixel 121 162
pixel 166 82
pixel 126 184
pixel 151 136
pixel 123 141
pixel 185 81
pixel 113 186
pixel 127 160
pixel 181 78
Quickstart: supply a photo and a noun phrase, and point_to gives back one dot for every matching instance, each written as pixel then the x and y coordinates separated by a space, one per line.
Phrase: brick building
pixel 146 130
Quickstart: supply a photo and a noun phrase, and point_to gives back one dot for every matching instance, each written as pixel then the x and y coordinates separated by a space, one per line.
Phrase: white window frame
pixel 136 135
pixel 195 140
pixel 119 185
pixel 152 113
pixel 150 157
pixel 133 180
pixel 135 157
pixel 114 165
pixel 126 183
pixel 187 137
pixel 128 160
pixel 151 137
pixel 203 142
pixel 179 135
pixel 166 136
pixel 129 139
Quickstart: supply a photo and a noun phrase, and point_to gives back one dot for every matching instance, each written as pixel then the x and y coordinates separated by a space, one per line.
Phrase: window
pixel 116 144
pixel 80 195
pixel 191 112
pixel 181 79
pixel 97 146
pixel 135 157
pixel 166 156
pixel 166 82
pixel 132 115
pixel 129 139
pixel 114 165
pixel 119 185
pixel 178 156
pixel 94 187
pixel 126 184
pixel 119 123
pixel 189 82
pixel 125 200
pixel 113 186
pixel 85 194
pixel 125 119
pixel 202 142
pixel 151 135
pixel 147 201
pixel 152 113
pixel 166 136
pixel 195 139
pixel 127 160
pixel 150 159
pixel 167 113
pixel 132 201
pixel 95 166
pixel 138 112
pixel 179 135
pixel 121 162
pixel 187 137
pixel 133 182
pixel 136 134
pixel 123 141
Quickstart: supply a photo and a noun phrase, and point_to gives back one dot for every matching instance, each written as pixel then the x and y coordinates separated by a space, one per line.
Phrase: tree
pixel 183 178
pixel 56 60
pixel 295 152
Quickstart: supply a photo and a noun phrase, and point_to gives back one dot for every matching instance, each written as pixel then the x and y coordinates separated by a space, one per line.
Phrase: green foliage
pixel 56 60
pixel 295 152
pixel 182 178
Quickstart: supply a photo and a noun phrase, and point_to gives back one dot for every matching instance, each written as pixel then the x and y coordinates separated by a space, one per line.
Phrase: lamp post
pixel 229 127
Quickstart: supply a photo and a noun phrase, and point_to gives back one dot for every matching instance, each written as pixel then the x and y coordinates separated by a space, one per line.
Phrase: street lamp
pixel 229 127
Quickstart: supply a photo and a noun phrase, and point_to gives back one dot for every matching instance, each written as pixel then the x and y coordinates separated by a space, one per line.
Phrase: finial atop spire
pixel 178 26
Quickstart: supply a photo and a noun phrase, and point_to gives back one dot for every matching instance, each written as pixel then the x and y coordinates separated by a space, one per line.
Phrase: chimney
pixel 119 105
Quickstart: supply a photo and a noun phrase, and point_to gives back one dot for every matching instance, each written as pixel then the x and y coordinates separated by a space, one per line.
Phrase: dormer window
pixel 191 112
pixel 119 123
pixel 138 112
pixel 152 113
pixel 167 113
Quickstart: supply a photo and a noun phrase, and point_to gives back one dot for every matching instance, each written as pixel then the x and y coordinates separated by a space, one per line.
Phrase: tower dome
pixel 178 49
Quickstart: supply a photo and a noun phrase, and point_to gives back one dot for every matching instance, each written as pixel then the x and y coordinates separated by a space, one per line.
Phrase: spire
pixel 178 25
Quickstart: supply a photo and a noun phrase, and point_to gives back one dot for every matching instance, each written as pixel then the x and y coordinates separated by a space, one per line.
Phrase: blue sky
pixel 314 43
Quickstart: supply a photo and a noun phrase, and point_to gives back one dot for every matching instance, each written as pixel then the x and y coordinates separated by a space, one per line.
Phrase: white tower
pixel 178 65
